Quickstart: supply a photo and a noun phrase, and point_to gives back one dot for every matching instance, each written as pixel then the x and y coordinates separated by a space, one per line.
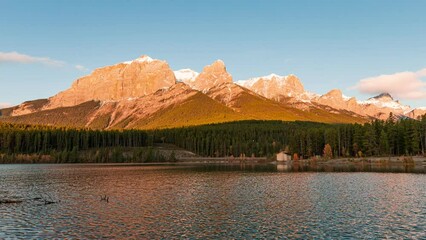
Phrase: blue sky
pixel 328 44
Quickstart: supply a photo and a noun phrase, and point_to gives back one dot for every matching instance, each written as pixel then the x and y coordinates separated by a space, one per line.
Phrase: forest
pixel 243 138
pixel 306 139
pixel 64 145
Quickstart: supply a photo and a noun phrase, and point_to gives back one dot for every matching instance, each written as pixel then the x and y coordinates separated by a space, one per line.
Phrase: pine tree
pixel 384 143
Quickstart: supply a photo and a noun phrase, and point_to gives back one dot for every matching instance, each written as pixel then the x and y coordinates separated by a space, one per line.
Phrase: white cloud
pixel 81 68
pixel 403 85
pixel 15 57
pixel 23 58
pixel 4 105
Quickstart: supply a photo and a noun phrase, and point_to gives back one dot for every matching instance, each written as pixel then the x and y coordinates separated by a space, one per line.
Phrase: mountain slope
pixel 75 116
pixel 289 90
pixel 376 107
pixel 146 93
pixel 196 110
pixel 254 106
pixel 176 107
pixel 24 108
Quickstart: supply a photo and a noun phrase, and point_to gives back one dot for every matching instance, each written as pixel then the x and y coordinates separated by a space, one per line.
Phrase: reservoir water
pixel 208 202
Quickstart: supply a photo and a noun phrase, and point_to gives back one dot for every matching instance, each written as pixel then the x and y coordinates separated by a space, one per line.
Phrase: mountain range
pixel 146 93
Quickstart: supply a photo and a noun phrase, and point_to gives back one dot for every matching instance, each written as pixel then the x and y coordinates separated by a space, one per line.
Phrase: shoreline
pixel 288 167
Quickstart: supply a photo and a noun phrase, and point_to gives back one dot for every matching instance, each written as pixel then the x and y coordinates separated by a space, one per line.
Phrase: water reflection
pixel 211 201
pixel 303 167
pixel 283 167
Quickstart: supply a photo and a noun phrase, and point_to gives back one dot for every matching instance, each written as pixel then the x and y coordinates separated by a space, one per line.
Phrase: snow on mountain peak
pixel 144 58
pixel 271 76
pixel 346 98
pixel 141 59
pixel 250 82
pixel 186 75
pixel 385 101
pixel 220 61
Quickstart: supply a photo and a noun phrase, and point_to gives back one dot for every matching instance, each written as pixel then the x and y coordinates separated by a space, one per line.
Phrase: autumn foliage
pixel 328 152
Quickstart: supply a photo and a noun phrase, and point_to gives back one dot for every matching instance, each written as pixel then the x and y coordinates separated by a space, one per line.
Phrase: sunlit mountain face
pixel 147 93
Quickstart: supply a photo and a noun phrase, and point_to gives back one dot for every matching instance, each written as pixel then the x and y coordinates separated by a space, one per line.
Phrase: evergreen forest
pixel 243 138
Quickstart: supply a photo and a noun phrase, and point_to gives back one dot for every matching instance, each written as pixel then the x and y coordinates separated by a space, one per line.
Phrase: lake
pixel 214 201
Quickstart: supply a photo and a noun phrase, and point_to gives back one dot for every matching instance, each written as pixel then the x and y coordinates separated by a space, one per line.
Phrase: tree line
pixel 248 138
pixel 27 139
pixel 305 139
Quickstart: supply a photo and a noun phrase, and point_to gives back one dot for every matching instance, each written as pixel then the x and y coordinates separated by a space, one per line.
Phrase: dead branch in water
pixel 105 198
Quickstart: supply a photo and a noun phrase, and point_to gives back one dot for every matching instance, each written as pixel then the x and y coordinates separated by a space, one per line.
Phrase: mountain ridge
pixel 146 92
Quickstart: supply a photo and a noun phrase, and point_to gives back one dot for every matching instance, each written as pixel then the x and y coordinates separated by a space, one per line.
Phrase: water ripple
pixel 177 202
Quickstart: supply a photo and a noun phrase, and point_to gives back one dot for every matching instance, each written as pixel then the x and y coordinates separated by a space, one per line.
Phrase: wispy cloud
pixel 5 105
pixel 81 68
pixel 403 85
pixel 15 57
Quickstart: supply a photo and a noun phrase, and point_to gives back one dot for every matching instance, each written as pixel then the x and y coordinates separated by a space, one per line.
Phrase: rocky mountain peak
pixel 131 79
pixel 417 113
pixel 211 76
pixel 217 66
pixel 142 59
pixel 149 84
pixel 294 82
pixel 335 93
pixel 383 97
pixel 273 86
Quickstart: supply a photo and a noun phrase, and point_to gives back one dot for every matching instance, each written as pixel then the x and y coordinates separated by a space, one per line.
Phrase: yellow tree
pixel 328 152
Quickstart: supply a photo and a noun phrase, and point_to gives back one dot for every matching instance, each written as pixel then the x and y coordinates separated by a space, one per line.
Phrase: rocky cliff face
pixel 128 94
pixel 335 99
pixel 416 113
pixel 126 113
pixel 132 79
pixel 287 90
pixel 290 91
pixel 274 86
pixel 211 76
pixel 377 107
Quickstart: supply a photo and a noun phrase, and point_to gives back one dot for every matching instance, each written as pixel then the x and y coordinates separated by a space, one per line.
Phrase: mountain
pixel 211 76
pixel 376 107
pixel 146 93
pixel 257 107
pixel 274 86
pixel 131 79
pixel 24 108
pixel 172 107
pixel 385 100
pixel 337 100
pixel 289 90
pixel 416 113
pixel 284 89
